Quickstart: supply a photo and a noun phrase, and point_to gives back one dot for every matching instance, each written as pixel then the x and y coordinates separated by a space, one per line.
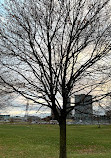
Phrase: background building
pixel 83 107
pixel 69 116
pixel 4 117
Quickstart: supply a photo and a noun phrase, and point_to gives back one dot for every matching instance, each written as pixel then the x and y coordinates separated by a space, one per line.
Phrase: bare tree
pixel 52 50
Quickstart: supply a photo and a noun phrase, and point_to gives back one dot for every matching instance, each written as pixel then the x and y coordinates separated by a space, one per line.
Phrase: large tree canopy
pixel 52 50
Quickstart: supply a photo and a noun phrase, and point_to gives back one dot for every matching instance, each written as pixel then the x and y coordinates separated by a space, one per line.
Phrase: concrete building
pixel 83 107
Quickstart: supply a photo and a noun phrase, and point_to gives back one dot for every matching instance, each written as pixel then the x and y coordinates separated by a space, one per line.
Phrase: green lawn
pixel 42 141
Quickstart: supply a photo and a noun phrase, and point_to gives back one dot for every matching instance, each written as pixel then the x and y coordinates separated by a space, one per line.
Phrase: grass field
pixel 42 141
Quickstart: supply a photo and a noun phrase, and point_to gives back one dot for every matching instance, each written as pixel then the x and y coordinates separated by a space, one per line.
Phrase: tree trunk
pixel 62 126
